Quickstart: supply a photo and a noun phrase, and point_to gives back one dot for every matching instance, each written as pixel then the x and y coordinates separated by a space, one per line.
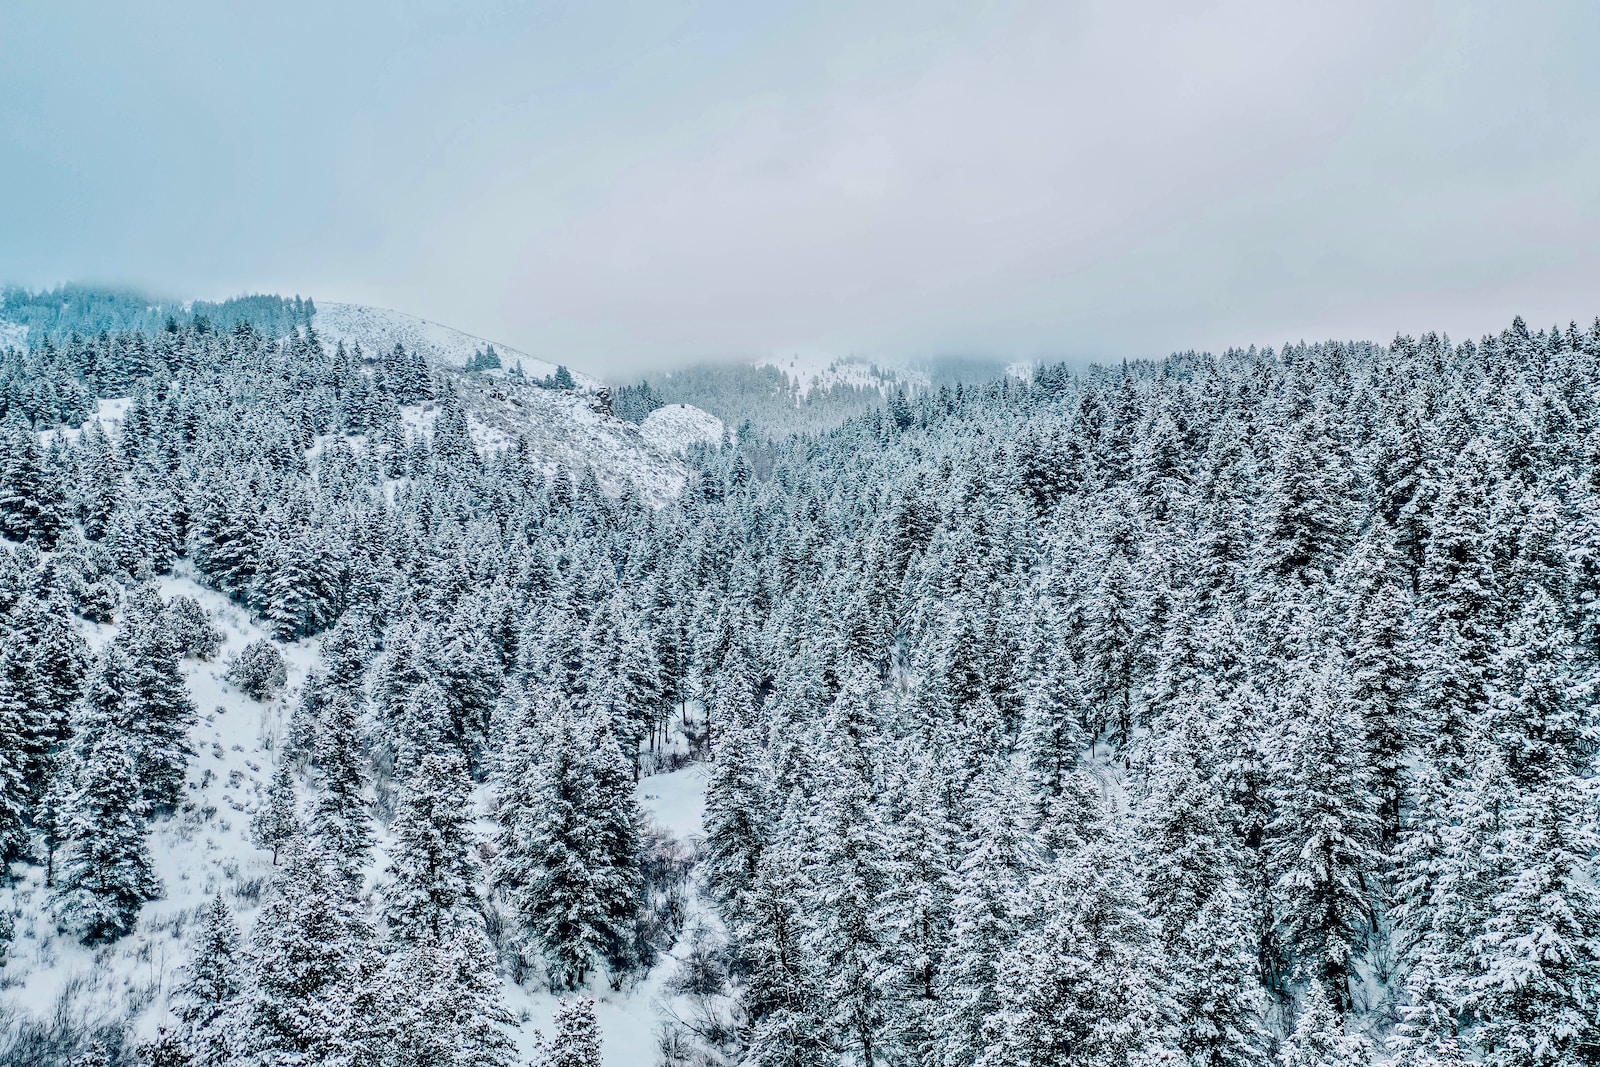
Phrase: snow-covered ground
pixel 379 328
pixel 677 426
pixel 205 849
pixel 12 335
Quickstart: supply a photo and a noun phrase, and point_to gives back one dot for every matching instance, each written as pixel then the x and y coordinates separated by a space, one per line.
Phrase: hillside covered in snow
pixel 379 329
pixel 209 848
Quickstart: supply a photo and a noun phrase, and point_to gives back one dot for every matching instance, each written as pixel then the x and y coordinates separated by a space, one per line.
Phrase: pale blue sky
pixel 619 185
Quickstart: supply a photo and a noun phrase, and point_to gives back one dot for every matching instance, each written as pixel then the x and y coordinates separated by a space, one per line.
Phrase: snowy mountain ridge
pixel 377 329
pixel 564 429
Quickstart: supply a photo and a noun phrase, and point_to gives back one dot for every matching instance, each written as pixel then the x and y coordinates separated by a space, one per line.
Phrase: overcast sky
pixel 627 185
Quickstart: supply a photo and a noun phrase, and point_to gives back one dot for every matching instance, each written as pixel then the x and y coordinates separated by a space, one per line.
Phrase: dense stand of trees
pixel 1217 710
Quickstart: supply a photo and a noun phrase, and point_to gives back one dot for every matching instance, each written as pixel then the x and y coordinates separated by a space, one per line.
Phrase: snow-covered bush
pixel 192 627
pixel 259 671
pixel 97 601
pixel 703 969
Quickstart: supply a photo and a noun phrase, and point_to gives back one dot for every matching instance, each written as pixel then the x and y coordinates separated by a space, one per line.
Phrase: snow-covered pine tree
pixel 1109 642
pixel 1538 958
pixel 848 877
pixel 1534 713
pixel 576 1041
pixel 444 1004
pixel 738 814
pixel 1324 838
pixel 209 997
pixel 297 1002
pixel 988 912
pixel 1378 644
pixel 1305 517
pixel 50 814
pixel 107 874
pixel 432 874
pixel 16 806
pixel 1191 878
pixel 339 817
pixel 1052 726
pixel 915 907
pixel 31 499
pixel 160 706
pixel 568 845
pixel 1319 1038
pixel 1428 1034
pixel 1083 989
pixel 278 819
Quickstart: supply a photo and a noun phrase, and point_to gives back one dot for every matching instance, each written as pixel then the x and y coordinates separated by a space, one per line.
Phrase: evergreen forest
pixel 1219 710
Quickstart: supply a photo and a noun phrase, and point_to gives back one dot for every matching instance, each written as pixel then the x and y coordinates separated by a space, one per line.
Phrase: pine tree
pixel 208 1000
pixel 163 1050
pixel 296 1007
pixel 101 481
pixel 576 1042
pixel 780 994
pixel 293 587
pixel 1081 989
pixel 1319 1039
pixel 1538 957
pixel 1378 637
pixel 1200 910
pixel 1052 733
pixel 568 846
pixel 339 817
pixel 1304 520
pixel 737 815
pixel 1427 1035
pixel 43 662
pixel 278 820
pixel 468 674
pixel 444 1003
pixel 31 501
pixel 848 879
pixel 1534 712
pixel 15 803
pixel 1109 643
pixel 1324 838
pixel 430 862
pixel 915 906
pixel 159 702
pixel 988 912
pixel 107 874
pixel 50 814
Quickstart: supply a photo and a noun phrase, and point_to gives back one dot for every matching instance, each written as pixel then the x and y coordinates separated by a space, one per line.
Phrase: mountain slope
pixel 377 329
pixel 205 850
pixel 570 430
pixel 564 429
